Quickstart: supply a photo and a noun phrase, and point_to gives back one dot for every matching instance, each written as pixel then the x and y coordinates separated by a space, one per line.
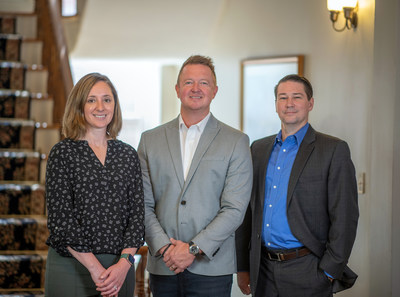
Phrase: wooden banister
pixel 142 288
pixel 55 54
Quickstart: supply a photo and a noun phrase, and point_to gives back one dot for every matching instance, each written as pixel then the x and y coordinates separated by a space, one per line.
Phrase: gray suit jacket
pixel 208 207
pixel 322 206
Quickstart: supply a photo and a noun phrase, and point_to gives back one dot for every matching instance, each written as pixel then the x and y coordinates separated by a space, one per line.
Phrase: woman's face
pixel 99 106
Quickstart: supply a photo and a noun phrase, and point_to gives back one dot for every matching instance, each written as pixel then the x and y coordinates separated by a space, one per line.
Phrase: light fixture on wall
pixel 349 8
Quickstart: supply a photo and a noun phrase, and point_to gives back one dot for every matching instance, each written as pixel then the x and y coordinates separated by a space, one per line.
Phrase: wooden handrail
pixel 55 54
pixel 142 288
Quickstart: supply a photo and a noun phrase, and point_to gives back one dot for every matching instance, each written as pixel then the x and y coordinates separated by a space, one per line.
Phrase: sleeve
pixel 343 211
pixel 62 223
pixel 135 229
pixel 234 200
pixel 152 226
pixel 243 237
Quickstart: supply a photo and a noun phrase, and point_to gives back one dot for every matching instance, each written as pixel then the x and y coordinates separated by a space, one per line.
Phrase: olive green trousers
pixel 67 277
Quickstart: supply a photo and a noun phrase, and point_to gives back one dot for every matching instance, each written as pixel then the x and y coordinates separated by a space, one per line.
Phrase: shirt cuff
pixel 329 275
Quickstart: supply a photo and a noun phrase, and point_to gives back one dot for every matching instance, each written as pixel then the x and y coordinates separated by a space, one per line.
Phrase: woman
pixel 94 198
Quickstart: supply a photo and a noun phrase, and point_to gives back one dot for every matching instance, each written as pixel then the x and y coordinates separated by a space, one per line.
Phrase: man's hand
pixel 178 258
pixel 164 249
pixel 243 280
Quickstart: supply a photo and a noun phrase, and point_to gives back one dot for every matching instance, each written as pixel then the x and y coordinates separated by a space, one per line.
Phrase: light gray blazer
pixel 208 207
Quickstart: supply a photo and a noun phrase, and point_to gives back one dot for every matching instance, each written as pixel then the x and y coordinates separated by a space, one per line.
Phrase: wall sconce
pixel 349 8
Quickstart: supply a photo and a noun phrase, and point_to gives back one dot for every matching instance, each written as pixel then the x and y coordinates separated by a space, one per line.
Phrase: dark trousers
pixel 66 277
pixel 187 284
pixel 298 277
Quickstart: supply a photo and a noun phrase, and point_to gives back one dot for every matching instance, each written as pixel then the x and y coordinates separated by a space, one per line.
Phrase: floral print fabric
pixel 91 207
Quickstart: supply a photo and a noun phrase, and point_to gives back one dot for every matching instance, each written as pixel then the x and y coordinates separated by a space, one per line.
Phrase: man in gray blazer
pixel 197 178
pixel 301 223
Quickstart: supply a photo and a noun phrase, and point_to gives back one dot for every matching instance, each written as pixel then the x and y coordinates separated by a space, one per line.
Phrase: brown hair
pixel 74 122
pixel 296 78
pixel 199 60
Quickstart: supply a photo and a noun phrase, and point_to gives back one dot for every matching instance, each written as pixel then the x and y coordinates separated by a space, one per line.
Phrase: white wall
pixel 353 73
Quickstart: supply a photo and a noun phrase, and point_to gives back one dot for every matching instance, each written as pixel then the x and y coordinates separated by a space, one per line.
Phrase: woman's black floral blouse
pixel 91 207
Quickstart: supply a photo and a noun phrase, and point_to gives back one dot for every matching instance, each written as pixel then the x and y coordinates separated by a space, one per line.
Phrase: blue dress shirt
pixel 276 233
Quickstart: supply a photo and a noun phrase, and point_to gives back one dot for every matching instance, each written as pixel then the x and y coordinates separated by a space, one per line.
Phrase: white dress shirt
pixel 189 139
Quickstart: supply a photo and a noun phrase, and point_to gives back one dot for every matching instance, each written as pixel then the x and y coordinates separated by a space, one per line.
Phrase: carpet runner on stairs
pixel 26 135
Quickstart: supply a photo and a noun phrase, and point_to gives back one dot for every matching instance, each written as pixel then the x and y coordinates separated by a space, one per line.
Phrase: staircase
pixel 34 82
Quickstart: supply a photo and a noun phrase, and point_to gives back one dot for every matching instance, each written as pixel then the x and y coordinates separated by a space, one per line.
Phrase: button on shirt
pixel 276 233
pixel 189 138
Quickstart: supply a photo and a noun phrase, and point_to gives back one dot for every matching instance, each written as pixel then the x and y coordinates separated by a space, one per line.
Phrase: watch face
pixel 194 249
pixel 131 259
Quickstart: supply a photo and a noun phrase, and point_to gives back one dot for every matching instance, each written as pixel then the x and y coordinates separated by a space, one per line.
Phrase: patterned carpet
pixel 23 229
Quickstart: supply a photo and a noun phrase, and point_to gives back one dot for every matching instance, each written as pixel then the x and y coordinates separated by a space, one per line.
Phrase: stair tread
pixel 29 122
pixel 28 232
pixel 39 292
pixel 11 36
pixel 16 13
pixel 19 64
pixel 22 202
pixel 23 252
pixel 39 218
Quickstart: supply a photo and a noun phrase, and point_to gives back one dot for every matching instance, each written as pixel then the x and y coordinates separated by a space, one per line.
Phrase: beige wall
pixel 354 74
pixel 384 224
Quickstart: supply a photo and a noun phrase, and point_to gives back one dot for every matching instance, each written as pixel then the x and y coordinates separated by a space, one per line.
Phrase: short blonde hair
pixel 74 122
pixel 199 60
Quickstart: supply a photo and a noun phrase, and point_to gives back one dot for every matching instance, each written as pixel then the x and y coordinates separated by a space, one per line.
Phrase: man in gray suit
pixel 301 222
pixel 197 178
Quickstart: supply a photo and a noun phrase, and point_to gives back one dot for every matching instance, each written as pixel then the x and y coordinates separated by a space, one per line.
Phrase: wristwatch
pixel 194 249
pixel 129 258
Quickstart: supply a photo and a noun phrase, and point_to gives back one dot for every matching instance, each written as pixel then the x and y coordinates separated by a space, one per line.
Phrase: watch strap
pixel 129 258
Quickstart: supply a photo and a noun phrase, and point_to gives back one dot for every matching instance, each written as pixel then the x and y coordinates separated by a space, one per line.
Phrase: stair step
pixel 14 104
pixel 23 271
pixel 12 75
pixel 25 105
pixel 14 293
pixel 19 165
pixel 17 133
pixel 8 24
pixel 18 76
pixel 43 166
pixel 26 25
pixel 10 47
pixel 36 78
pixel 28 134
pixel 23 233
pixel 17 6
pixel 41 108
pixel 22 199
pixel 31 52
pixel 46 137
pixel 17 23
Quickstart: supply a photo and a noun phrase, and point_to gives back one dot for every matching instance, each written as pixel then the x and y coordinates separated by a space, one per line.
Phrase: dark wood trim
pixel 55 54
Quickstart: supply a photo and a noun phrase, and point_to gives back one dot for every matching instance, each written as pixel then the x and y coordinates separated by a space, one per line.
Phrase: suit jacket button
pixel 183 202
pixel 258 236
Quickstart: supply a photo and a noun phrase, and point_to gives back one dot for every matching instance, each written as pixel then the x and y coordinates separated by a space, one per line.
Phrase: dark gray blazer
pixel 322 206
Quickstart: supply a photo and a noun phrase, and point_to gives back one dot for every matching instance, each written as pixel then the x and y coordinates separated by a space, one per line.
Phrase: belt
pixel 284 256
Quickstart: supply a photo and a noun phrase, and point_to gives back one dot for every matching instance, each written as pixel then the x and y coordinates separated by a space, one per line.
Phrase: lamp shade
pixel 335 5
pixel 349 3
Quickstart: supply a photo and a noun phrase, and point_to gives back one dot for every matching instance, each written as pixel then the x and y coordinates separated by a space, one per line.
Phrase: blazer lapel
pixel 174 146
pixel 305 150
pixel 263 156
pixel 210 131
